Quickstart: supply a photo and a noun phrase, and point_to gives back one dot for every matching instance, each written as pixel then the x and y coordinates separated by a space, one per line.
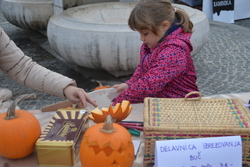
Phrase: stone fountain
pixel 33 14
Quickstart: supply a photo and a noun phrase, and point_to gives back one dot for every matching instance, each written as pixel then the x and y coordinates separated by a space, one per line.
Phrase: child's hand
pixel 120 87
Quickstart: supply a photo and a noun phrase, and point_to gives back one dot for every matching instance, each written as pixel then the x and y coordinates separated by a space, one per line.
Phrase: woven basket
pixel 184 118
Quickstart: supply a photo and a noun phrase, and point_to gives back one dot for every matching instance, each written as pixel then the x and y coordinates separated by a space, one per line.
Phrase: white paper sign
pixel 137 144
pixel 200 152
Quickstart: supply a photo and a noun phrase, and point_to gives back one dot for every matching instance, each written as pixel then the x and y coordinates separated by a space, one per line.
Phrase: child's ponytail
pixel 184 20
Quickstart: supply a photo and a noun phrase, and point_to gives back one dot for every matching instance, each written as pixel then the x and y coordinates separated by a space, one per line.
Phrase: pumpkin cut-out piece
pixel 120 112
pixel 19 131
pixel 97 115
pixel 101 86
pixel 107 144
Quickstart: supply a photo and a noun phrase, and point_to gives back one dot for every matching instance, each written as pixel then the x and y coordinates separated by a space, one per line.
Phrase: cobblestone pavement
pixel 223 65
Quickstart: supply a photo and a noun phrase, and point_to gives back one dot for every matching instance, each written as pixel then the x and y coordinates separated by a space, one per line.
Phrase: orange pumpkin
pixel 107 144
pixel 119 112
pixel 19 131
pixel 101 86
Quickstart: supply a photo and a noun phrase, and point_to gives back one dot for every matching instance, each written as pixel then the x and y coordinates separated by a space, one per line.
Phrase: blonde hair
pixel 149 14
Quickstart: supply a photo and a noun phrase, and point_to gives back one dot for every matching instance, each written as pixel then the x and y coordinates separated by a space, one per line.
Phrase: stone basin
pixel 97 36
pixel 32 14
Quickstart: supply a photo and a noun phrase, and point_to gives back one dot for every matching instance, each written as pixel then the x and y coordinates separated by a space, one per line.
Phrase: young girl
pixel 166 68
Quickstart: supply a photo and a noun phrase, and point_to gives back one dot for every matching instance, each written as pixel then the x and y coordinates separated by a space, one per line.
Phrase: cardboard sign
pixel 241 9
pixel 223 11
pixel 200 152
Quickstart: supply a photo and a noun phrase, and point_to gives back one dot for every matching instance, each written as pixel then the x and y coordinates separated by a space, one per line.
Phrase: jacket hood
pixel 174 36
pixel 179 38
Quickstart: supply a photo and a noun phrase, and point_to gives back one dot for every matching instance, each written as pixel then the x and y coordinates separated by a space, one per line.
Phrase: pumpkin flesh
pixel 98 115
pixel 119 112
pixel 125 106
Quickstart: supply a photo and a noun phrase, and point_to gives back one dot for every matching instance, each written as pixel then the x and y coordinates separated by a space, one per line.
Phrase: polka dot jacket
pixel 165 71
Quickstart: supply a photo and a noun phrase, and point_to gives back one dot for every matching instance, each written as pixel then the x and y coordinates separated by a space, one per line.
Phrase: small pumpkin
pixel 119 112
pixel 107 144
pixel 19 131
pixel 101 86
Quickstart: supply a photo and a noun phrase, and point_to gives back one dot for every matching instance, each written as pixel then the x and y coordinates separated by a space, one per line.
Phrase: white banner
pixel 241 9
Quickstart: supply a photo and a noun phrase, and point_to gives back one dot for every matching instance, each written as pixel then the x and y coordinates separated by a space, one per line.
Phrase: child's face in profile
pixel 151 39
pixel 148 38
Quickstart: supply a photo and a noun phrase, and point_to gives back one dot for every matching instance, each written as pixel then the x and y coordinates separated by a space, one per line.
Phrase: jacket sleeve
pixel 166 67
pixel 137 72
pixel 135 76
pixel 23 70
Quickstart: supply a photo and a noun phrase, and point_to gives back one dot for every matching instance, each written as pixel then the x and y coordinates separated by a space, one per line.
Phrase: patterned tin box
pixel 60 142
pixel 183 118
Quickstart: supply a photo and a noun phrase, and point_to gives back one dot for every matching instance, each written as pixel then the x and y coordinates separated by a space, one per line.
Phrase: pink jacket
pixel 165 71
pixel 28 73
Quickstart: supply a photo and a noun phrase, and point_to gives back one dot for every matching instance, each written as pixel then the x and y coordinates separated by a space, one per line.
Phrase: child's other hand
pixel 120 87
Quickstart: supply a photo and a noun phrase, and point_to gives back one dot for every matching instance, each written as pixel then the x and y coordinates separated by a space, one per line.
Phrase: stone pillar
pixel 33 14
pixel 61 5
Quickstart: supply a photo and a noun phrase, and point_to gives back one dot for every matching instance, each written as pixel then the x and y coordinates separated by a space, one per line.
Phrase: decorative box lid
pixel 63 129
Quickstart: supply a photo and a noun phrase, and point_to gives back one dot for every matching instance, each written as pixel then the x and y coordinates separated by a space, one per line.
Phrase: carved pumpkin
pixel 101 86
pixel 19 131
pixel 118 113
pixel 107 144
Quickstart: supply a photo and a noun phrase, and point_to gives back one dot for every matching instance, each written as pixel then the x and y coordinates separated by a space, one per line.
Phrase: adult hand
pixel 120 87
pixel 78 95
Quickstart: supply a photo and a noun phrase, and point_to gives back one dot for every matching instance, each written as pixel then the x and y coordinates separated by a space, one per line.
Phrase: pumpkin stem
pixel 108 125
pixel 100 84
pixel 11 110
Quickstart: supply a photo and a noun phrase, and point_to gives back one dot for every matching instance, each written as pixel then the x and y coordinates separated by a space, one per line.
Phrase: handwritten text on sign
pixel 200 152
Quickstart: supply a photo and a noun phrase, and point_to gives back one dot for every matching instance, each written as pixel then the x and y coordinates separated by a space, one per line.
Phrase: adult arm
pixel 23 70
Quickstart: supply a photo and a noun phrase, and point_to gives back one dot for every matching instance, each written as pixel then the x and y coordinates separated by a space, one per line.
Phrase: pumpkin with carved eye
pixel 107 145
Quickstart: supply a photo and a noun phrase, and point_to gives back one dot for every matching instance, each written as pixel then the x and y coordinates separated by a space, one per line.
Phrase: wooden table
pixel 137 114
